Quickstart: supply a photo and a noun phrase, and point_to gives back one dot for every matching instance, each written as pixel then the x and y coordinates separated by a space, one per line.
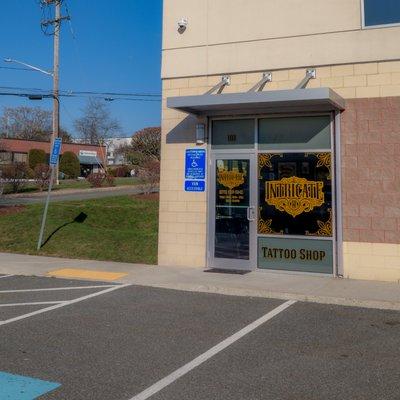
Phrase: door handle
pixel 251 213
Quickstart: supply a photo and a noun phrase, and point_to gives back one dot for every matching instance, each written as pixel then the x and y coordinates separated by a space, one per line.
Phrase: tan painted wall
pixel 372 261
pixel 231 36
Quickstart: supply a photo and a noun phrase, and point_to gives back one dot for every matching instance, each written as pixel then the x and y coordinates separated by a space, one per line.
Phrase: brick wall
pixel 371 170
pixel 23 146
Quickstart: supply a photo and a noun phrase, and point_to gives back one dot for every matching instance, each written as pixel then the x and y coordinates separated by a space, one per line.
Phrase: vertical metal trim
pixel 362 14
pixel 254 202
pixel 334 186
pixel 338 193
pixel 208 195
pixel 256 188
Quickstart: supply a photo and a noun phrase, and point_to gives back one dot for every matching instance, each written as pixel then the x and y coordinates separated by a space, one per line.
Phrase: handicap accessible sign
pixel 195 170
pixel 55 151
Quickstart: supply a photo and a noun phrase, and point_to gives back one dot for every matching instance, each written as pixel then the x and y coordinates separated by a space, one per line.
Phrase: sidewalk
pixel 317 289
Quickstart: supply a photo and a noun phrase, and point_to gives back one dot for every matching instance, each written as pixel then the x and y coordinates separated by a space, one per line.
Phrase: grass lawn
pixel 122 228
pixel 75 184
pixel 83 184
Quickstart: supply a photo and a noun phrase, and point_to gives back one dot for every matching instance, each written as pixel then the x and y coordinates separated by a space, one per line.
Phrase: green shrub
pixel 69 165
pixel 36 157
pixel 112 171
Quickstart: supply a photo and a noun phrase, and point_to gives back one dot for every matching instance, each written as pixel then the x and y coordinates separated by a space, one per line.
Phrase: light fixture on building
pixel 200 133
pixel 182 25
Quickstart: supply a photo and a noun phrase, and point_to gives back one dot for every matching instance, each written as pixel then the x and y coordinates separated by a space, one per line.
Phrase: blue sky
pixel 117 48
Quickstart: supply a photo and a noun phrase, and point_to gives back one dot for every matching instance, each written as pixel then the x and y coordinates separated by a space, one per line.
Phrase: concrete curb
pixel 312 289
pixel 380 305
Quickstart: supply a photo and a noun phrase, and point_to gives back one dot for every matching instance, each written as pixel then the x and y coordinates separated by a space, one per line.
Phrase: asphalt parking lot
pixel 69 339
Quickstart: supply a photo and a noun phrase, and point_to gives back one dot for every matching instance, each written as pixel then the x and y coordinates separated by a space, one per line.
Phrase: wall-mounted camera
pixel 182 25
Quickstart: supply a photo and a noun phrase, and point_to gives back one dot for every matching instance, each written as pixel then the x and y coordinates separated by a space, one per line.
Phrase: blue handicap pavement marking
pixel 17 387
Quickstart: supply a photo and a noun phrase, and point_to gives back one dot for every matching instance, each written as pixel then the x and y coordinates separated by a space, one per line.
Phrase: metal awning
pixel 89 160
pixel 294 100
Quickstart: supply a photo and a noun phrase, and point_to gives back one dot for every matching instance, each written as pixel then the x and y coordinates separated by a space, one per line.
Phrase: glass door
pixel 232 212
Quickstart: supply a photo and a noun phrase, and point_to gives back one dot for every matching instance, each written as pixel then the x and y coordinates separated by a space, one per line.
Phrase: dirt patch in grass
pixel 8 210
pixel 150 196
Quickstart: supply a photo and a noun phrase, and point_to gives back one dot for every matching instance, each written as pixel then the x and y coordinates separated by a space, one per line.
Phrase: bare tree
pixel 31 123
pixel 96 123
pixel 26 123
pixel 145 146
pixel 148 142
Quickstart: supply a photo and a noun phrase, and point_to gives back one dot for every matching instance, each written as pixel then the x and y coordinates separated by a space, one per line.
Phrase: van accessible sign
pixel 195 170
pixel 55 151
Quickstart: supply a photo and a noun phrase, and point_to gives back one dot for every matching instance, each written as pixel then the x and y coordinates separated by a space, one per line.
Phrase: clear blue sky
pixel 117 48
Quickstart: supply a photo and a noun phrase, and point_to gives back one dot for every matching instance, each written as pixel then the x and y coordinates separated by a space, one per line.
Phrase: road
pixel 68 339
pixel 85 194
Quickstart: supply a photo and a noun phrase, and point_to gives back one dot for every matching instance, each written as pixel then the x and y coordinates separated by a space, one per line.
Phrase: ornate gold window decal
pixel 295 194
pixel 230 179
pixel 324 160
pixel 325 228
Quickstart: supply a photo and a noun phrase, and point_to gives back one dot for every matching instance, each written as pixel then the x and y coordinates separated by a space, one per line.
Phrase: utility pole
pixel 56 22
pixel 56 67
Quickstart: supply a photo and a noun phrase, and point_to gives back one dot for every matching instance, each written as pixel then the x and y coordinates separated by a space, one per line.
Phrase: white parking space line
pixel 35 303
pixel 161 384
pixel 58 288
pixel 6 276
pixel 64 303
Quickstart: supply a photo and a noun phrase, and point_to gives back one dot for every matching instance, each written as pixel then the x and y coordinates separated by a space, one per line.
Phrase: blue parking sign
pixel 195 186
pixel 195 164
pixel 55 151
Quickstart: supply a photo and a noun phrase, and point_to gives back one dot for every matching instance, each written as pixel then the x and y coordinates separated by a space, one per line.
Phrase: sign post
pixel 55 153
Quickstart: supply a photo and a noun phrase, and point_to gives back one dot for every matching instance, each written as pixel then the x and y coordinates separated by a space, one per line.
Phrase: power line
pixel 49 94
pixel 18 68
pixel 83 93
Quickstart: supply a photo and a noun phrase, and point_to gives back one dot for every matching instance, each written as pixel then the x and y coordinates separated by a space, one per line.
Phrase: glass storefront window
pixel 5 157
pixel 381 12
pixel 20 157
pixel 294 133
pixel 233 134
pixel 295 194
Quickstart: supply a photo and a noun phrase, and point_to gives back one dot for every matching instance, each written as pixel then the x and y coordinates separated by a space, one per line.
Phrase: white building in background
pixel 112 144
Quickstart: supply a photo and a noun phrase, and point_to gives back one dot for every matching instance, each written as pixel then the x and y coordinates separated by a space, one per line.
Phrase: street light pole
pixel 11 60
pixel 55 74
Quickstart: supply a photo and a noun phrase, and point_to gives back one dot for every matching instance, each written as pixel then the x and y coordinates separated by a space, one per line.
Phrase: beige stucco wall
pixel 183 217
pixel 231 36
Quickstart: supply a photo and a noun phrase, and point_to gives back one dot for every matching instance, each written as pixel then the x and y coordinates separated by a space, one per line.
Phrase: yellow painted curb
pixel 86 274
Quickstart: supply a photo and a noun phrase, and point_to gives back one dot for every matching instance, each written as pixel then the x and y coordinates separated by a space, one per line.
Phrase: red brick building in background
pixel 16 150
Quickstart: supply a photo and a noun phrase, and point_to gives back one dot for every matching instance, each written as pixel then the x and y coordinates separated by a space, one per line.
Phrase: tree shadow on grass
pixel 79 219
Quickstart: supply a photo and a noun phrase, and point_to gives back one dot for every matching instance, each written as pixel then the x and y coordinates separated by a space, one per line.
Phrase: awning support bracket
pixel 219 87
pixel 310 74
pixel 259 86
